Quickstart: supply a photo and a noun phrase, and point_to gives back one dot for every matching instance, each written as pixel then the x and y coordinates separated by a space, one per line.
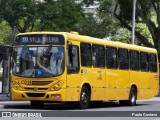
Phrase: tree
pixel 94 26
pixel 60 15
pixel 147 10
pixel 5 31
pixel 105 14
pixel 147 19
pixel 19 13
pixel 46 15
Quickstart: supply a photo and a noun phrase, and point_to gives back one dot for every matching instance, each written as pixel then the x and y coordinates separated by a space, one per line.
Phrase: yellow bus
pixel 68 67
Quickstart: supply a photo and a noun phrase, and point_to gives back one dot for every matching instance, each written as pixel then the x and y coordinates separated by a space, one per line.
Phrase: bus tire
pixel 84 98
pixel 37 104
pixel 132 98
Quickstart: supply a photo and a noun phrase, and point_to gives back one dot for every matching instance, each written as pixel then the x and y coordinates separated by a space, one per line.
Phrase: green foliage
pixel 5 31
pixel 33 15
pixel 49 15
pixel 113 29
pixel 121 35
pixel 61 15
pixel 147 20
pixel 93 26
pixel 100 24
pixel 52 15
pixel 19 13
pixel 142 28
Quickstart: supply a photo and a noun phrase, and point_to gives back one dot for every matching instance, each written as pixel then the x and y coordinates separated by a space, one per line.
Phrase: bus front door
pixel 73 73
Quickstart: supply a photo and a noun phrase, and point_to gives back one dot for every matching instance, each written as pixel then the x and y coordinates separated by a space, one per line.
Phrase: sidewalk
pixel 150 100
pixel 0 87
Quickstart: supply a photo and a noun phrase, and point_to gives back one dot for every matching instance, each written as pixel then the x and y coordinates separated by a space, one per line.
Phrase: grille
pixel 37 88
pixel 41 82
pixel 35 94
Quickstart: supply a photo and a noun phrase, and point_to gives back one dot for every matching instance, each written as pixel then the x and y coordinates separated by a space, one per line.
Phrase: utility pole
pixel 133 21
pixel 6 66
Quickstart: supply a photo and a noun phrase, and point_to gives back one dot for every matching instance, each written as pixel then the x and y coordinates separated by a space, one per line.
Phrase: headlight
pixel 57 86
pixel 15 85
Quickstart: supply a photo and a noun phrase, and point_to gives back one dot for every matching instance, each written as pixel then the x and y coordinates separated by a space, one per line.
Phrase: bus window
pixel 86 56
pixel 134 60
pixel 144 61
pixel 111 57
pixel 153 63
pixel 99 56
pixel 73 59
pixel 123 59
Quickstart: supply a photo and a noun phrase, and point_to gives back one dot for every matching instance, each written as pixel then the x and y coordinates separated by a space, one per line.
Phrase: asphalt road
pixel 61 110
pixel 144 105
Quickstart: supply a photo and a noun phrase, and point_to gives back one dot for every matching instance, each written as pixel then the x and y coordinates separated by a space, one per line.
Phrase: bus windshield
pixel 43 62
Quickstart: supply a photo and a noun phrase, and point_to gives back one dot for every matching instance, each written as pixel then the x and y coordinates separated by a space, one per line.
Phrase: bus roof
pixel 118 44
pixel 87 39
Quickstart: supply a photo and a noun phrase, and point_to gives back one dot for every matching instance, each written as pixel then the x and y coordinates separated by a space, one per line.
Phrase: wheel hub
pixel 84 98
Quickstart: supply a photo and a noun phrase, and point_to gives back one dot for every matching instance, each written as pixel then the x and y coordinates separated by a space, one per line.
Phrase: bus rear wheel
pixel 132 98
pixel 84 98
pixel 37 104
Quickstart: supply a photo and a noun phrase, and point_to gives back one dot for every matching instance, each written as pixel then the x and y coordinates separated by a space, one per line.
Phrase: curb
pixel 1 106
pixel 150 100
pixel 14 102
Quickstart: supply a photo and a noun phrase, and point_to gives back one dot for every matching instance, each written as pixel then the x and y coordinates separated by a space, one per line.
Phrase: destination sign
pixel 40 39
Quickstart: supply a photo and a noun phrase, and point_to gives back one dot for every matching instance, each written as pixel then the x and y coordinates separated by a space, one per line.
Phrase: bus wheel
pixel 84 98
pixel 132 97
pixel 37 104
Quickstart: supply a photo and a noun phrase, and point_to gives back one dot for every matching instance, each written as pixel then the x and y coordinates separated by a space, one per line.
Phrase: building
pixel 91 8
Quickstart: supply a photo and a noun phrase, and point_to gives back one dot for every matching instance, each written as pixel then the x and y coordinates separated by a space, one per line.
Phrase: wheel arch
pixel 88 86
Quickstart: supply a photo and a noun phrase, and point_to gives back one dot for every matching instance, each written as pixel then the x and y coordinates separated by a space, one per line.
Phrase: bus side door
pixel 73 74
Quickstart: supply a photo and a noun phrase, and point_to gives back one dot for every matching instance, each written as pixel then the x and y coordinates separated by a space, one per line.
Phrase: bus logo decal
pixel 35 88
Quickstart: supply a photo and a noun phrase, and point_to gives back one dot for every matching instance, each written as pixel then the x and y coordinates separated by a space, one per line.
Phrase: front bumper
pixel 39 95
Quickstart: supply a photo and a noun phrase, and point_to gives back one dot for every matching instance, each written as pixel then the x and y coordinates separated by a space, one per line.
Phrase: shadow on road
pixel 66 106
pixel 158 94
